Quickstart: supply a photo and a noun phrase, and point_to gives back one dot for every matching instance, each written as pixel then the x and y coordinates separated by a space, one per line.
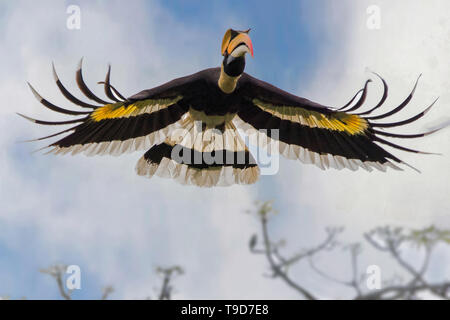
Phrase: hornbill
pixel 189 125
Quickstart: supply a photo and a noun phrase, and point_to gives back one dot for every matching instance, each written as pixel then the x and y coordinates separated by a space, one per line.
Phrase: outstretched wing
pixel 120 125
pixel 321 135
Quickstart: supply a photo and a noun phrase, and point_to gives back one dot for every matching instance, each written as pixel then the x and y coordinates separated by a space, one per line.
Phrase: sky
pixel 95 212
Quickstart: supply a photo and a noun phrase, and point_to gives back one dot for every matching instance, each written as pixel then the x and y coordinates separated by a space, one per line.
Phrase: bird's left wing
pixel 123 124
pixel 321 135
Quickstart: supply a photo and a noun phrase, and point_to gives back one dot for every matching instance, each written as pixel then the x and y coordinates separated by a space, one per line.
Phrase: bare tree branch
pixel 354 282
pixel 394 238
pixel 443 288
pixel 168 274
pixel 57 271
pixel 276 268
pixel 327 244
pixel 107 291
pixel 279 264
pixel 385 239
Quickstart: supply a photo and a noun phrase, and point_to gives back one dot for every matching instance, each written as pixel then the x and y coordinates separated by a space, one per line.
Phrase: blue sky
pixel 96 213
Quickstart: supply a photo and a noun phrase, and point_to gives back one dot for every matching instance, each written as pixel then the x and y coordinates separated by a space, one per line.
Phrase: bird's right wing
pixel 325 136
pixel 120 125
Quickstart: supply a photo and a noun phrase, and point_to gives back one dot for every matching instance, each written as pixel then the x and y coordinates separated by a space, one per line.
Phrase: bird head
pixel 235 45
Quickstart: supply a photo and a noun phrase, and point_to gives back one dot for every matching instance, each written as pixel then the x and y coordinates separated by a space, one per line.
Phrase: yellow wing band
pixel 339 121
pixel 121 110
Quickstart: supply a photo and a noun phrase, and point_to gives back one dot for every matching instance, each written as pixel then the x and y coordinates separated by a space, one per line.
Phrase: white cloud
pixel 95 211
pixel 404 47
pixel 413 39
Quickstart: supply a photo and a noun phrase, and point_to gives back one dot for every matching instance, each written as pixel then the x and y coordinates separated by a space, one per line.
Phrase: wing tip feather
pixel 35 93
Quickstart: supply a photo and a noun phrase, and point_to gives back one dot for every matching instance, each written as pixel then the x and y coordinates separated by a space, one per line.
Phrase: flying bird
pixel 189 126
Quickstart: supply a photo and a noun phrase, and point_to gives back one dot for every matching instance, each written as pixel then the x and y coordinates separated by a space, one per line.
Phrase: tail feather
pixel 201 156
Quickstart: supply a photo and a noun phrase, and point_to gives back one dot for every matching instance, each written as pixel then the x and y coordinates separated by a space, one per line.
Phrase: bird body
pixel 189 125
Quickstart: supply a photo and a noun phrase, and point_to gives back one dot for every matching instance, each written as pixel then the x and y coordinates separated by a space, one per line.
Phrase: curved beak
pixel 233 39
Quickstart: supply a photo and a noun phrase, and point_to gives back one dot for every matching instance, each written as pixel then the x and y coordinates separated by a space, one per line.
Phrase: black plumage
pixel 164 119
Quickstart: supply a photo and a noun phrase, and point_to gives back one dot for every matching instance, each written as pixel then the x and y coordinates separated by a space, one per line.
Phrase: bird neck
pixel 227 83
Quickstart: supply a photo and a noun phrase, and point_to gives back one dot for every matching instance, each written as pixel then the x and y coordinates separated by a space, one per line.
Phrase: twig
pixel 56 271
pixel 107 291
pixel 168 274
pixel 392 242
pixel 440 287
pixel 276 268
